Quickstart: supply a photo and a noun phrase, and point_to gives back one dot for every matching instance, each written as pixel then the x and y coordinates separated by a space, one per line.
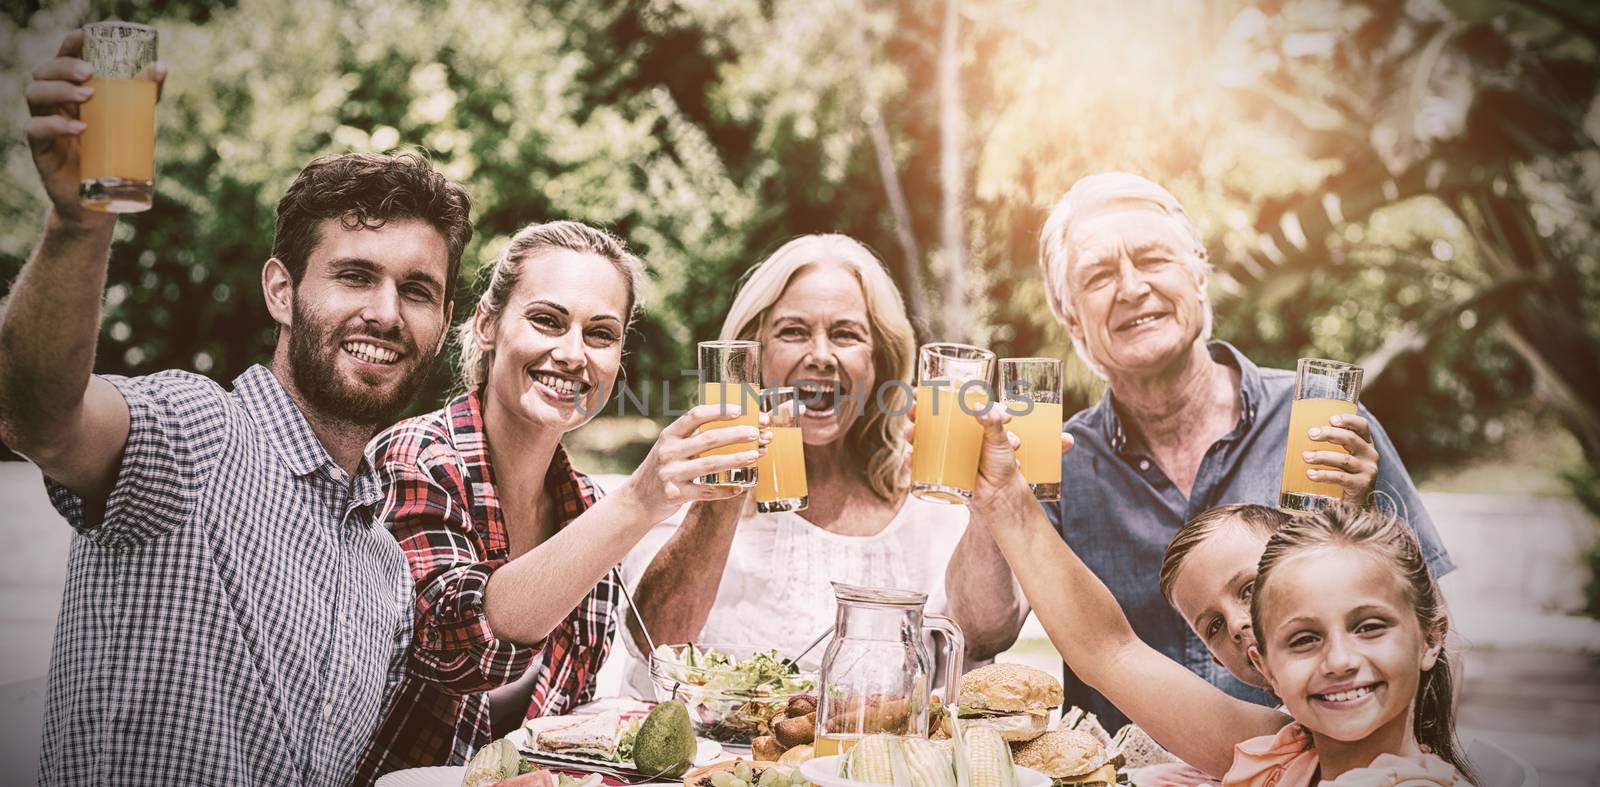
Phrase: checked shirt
pixel 443 507
pixel 235 618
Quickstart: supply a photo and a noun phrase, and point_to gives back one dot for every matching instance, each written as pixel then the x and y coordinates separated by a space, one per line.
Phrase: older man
pixel 1186 423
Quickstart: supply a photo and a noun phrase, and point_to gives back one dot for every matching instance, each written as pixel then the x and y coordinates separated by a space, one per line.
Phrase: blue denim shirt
pixel 1118 511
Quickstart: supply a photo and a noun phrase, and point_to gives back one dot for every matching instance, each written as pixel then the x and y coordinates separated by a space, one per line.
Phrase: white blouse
pixel 775 590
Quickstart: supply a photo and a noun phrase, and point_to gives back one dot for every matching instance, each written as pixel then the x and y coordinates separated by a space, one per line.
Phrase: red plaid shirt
pixel 441 504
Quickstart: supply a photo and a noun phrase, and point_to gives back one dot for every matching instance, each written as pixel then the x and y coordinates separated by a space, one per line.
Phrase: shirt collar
pixel 293 438
pixel 286 425
pixel 1250 395
pixel 572 489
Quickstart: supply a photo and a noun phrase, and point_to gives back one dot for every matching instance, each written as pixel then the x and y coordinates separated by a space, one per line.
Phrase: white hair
pixel 1087 194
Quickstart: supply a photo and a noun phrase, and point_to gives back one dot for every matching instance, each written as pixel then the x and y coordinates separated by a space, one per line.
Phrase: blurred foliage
pixel 1408 185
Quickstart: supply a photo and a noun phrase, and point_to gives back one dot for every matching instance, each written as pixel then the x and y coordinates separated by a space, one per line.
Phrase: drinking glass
pixel 1322 389
pixel 730 375
pixel 781 471
pixel 1031 390
pixel 117 149
pixel 952 389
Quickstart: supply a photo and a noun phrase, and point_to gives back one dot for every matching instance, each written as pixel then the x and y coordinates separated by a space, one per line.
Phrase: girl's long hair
pixel 1388 538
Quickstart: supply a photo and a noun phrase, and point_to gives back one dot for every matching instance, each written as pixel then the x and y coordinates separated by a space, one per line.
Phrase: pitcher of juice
pixel 1322 389
pixel 877 673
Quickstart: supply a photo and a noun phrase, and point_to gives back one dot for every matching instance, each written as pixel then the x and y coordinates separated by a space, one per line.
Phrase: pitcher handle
pixel 955 644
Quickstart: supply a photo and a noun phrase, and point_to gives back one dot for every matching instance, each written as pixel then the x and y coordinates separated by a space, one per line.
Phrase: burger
pixel 1070 757
pixel 1013 699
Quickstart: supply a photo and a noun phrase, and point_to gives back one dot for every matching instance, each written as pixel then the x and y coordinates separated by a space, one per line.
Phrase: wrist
pixel 640 504
pixel 1003 507
pixel 81 222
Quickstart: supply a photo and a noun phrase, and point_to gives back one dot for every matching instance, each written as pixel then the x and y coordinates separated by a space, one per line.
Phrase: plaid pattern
pixel 442 506
pixel 235 617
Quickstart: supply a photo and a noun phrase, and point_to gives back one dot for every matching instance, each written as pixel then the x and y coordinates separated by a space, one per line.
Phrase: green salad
pixel 759 673
pixel 729 699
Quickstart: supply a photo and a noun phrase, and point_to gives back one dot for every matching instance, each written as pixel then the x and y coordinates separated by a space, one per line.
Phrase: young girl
pixel 1349 629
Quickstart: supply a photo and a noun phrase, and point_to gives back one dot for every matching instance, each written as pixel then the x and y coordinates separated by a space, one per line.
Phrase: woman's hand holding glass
pixel 665 480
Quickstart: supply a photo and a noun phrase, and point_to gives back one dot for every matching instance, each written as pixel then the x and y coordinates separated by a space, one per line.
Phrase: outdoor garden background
pixel 1410 186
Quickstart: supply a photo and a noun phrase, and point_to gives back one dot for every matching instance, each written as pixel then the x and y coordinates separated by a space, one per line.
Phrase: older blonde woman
pixel 828 317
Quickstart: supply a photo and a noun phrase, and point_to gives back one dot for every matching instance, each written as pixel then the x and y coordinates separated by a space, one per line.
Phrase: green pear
pixel 665 746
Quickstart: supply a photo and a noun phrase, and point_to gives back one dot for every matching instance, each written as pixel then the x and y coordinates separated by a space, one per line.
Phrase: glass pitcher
pixel 876 673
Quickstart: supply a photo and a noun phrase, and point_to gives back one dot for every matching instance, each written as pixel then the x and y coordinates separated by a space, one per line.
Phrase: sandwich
pixel 1071 758
pixel 595 735
pixel 1011 699
pixel 1077 718
pixel 1138 749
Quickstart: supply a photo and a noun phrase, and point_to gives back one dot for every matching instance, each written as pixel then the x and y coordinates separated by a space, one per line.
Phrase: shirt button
pixel 1144 464
pixel 344 618
pixel 327 711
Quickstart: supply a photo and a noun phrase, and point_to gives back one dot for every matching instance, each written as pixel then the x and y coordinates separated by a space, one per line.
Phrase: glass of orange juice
pixel 730 375
pixel 117 149
pixel 1030 388
pixel 781 471
pixel 1322 389
pixel 952 390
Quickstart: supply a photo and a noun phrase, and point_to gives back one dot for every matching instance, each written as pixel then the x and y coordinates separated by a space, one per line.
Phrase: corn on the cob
pixel 922 763
pixel 871 760
pixel 982 758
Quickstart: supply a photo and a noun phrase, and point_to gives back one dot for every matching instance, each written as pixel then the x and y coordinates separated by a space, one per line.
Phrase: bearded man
pixel 231 612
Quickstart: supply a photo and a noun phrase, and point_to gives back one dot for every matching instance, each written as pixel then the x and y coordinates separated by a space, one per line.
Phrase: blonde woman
pixel 830 319
pixel 510 547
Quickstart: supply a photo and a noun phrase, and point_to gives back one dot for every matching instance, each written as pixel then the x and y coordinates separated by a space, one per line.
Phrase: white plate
pixel 824 772
pixel 705 752
pixel 437 776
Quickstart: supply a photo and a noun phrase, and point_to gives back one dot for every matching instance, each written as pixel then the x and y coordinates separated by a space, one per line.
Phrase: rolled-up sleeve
pixel 428 509
pixel 177 425
pixel 1396 494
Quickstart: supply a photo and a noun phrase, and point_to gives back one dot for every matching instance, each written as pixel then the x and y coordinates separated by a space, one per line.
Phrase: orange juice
pixel 1040 452
pixel 733 395
pixel 945 453
pixel 781 472
pixel 1303 415
pixel 829 745
pixel 119 136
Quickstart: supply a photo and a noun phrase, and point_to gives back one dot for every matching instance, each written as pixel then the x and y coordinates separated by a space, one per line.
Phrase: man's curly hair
pixel 369 190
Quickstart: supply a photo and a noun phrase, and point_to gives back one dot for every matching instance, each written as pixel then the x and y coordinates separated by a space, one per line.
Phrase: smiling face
pixel 557 341
pixel 368 316
pixel 1343 648
pixel 817 337
pixel 1212 591
pixel 1138 305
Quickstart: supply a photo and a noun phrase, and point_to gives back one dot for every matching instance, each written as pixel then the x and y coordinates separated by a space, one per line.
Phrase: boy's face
pixel 1212 591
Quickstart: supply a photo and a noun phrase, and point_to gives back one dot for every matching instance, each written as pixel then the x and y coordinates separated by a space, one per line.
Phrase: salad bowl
pixel 732 692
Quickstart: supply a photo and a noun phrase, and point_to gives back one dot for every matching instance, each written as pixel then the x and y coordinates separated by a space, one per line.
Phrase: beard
pixel 313 365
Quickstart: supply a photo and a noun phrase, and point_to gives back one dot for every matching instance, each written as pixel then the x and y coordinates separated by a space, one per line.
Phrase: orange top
pixel 1288 759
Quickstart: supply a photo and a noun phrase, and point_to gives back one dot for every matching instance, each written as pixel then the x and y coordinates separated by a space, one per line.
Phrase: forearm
pixel 678 589
pixel 529 596
pixel 984 597
pixel 48 332
pixel 1083 619
pixel 1189 716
